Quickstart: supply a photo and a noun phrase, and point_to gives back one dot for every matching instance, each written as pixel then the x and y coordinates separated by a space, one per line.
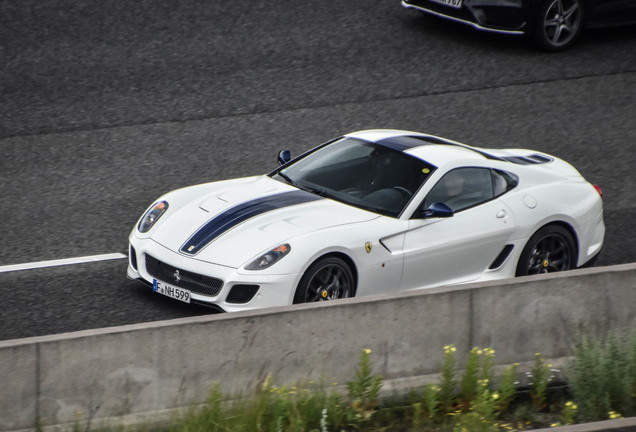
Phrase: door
pixel 456 249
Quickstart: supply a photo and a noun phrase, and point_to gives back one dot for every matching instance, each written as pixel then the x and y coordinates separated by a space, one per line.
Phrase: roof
pixel 440 151
pixel 439 154
pixel 433 149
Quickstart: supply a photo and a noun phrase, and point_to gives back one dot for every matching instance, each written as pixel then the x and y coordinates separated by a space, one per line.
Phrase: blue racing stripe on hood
pixel 240 213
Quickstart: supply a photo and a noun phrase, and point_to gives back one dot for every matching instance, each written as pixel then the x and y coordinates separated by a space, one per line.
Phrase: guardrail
pixel 133 373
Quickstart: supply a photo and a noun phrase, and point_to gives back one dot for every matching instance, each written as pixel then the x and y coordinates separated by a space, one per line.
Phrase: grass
pixel 600 383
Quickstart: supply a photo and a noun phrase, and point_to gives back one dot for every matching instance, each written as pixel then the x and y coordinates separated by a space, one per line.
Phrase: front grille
pixel 200 284
pixel 240 294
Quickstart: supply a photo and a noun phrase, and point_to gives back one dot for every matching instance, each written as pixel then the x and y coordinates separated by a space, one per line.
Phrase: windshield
pixel 360 173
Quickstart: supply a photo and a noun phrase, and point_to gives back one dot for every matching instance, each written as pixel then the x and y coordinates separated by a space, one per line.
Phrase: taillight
pixel 598 189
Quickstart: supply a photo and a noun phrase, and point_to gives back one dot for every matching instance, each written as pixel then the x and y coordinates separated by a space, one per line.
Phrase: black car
pixel 553 24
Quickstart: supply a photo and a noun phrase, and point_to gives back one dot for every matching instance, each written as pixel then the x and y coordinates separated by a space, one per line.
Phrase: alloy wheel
pixel 327 279
pixel 551 254
pixel 559 23
pixel 551 249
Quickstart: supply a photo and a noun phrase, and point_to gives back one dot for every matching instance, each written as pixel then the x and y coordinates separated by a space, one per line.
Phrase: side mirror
pixel 437 209
pixel 283 157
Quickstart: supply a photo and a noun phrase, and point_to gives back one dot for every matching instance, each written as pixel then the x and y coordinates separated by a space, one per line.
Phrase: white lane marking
pixel 61 262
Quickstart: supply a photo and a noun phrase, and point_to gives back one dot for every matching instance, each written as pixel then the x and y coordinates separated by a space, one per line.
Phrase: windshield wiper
pixel 322 193
pixel 306 188
pixel 298 185
pixel 287 178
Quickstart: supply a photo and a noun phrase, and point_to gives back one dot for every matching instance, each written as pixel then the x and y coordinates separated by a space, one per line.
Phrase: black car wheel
pixel 328 278
pixel 558 24
pixel 551 249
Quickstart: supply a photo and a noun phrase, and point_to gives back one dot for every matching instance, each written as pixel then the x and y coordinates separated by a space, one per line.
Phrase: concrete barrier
pixel 132 373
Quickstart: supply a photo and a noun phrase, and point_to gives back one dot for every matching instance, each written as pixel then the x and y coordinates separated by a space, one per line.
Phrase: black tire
pixel 328 278
pixel 551 249
pixel 558 24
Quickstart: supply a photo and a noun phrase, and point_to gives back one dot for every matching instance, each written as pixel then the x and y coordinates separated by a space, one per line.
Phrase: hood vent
pixel 532 159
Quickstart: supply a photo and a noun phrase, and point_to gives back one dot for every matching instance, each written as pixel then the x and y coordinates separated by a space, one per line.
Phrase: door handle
pixel 502 214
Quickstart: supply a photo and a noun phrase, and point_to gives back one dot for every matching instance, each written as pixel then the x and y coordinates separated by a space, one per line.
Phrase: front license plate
pixel 457 4
pixel 170 291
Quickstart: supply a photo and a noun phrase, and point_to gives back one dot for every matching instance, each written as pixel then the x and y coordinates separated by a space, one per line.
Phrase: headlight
pixel 151 216
pixel 269 258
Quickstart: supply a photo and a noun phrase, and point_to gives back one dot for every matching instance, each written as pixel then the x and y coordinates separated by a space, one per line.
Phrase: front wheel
pixel 328 278
pixel 551 249
pixel 558 24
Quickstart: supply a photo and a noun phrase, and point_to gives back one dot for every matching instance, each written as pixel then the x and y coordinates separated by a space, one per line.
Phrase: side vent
pixel 133 258
pixel 501 258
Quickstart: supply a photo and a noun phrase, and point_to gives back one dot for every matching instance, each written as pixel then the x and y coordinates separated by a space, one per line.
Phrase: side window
pixel 503 181
pixel 462 188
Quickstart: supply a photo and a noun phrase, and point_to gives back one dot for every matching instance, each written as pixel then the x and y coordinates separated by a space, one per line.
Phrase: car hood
pixel 235 224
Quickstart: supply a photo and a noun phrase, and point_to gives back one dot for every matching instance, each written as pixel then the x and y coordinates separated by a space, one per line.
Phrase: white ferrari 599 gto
pixel 370 212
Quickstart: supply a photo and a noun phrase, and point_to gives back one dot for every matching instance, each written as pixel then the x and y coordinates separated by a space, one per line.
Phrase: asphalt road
pixel 105 105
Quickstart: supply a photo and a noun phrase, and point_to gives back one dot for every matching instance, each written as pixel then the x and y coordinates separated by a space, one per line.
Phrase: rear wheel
pixel 328 278
pixel 551 249
pixel 558 24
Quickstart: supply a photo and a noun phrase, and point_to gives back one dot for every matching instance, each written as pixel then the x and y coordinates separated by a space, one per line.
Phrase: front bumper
pixel 218 286
pixel 499 16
